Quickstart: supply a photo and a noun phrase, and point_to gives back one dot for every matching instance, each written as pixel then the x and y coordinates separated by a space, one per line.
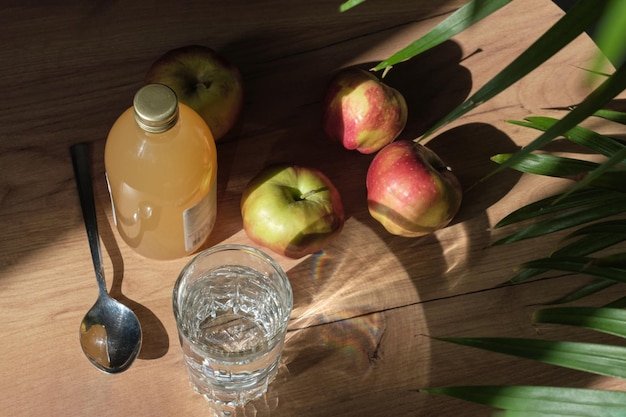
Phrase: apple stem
pixel 310 193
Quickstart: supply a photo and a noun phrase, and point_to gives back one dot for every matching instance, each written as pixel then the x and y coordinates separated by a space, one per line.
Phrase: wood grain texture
pixel 358 341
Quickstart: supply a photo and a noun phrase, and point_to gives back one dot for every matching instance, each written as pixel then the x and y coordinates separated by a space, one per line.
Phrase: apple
pixel 410 190
pixel 292 210
pixel 361 112
pixel 203 80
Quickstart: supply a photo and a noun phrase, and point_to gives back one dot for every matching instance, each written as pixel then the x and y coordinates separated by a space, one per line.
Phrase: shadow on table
pixel 155 341
pixel 334 335
pixel 339 331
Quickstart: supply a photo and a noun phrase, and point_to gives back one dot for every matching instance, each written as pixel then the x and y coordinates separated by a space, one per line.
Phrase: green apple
pixel 203 80
pixel 410 190
pixel 292 210
pixel 361 112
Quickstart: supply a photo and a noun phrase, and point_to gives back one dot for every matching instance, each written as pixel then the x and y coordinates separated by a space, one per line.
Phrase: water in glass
pixel 232 321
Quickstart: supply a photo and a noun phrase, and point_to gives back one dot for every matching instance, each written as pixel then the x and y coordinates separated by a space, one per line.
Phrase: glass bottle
pixel 161 167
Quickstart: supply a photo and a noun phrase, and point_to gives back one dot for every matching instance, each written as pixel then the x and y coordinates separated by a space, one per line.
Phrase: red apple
pixel 292 210
pixel 203 80
pixel 410 190
pixel 361 112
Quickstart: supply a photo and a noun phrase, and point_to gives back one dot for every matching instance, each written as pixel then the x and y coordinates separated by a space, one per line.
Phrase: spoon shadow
pixel 155 343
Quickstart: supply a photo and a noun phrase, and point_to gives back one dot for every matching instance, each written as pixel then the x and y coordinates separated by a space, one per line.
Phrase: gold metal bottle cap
pixel 156 108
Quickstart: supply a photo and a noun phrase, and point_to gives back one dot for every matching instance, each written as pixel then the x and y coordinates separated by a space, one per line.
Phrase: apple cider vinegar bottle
pixel 161 167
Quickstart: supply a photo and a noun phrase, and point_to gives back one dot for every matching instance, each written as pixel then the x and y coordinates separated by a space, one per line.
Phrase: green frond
pixel 611 204
pixel 466 16
pixel 606 320
pixel 600 359
pixel 548 165
pixel 611 115
pixel 344 7
pixel 531 401
pixel 596 142
pixel 587 290
pixel 555 204
pixel 593 206
pixel 606 268
pixel 581 16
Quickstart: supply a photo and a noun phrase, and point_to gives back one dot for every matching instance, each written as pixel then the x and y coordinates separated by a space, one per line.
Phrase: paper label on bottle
pixel 199 220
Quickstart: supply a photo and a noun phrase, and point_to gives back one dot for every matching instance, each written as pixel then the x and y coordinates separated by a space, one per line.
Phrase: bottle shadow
pixel 155 340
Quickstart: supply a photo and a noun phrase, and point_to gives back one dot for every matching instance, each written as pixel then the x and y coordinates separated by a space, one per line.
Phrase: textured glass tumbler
pixel 232 305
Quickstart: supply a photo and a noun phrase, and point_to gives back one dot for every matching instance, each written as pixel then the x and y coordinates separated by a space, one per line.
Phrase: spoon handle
pixel 82 174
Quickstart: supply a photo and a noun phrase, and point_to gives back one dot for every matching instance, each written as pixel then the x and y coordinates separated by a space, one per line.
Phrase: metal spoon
pixel 110 333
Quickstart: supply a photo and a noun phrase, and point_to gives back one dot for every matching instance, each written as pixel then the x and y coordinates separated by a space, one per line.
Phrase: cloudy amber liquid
pixel 154 178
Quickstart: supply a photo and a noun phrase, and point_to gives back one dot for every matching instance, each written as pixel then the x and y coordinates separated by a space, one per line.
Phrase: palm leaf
pixel 555 204
pixel 600 359
pixel 582 15
pixel 588 173
pixel 574 261
pixel 612 32
pixel 601 196
pixel 611 180
pixel 593 210
pixel 609 227
pixel 548 165
pixel 554 401
pixel 576 207
pixel 600 235
pixel 530 401
pixel 583 246
pixel 607 320
pixel 601 144
pixel 590 243
pixel 592 239
pixel 457 22
pixel 587 290
pixel 596 174
pixel 619 303
pixel 349 5
pixel 614 85
pixel 611 115
pixel 599 268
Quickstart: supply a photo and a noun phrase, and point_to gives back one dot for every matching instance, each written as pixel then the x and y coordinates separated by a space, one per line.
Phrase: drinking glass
pixel 232 305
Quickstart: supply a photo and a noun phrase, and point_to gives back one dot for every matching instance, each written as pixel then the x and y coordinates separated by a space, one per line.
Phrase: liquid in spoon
pixel 95 343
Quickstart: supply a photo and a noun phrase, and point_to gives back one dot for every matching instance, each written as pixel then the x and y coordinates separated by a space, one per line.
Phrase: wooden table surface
pixel 358 341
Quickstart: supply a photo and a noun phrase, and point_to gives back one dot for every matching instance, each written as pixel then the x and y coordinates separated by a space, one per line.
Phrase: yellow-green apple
pixel 361 112
pixel 205 81
pixel 410 190
pixel 292 210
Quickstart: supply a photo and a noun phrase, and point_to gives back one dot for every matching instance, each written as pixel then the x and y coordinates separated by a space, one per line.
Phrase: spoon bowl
pixel 109 336
pixel 110 333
